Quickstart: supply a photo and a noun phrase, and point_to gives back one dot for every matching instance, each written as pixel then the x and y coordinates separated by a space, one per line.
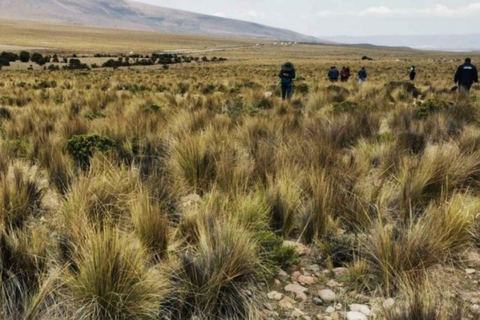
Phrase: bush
pixel 9 56
pixel 82 148
pixel 36 57
pixel 24 56
pixel 4 62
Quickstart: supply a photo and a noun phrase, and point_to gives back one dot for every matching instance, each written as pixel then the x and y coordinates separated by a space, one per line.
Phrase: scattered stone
pixel 286 303
pixel 190 200
pixel 307 280
pixel 475 309
pixel 470 271
pixel 327 295
pixel 340 271
pixel 314 268
pixel 333 284
pixel 296 275
pixel 267 94
pixel 388 304
pixel 298 290
pixel 274 295
pixel 297 313
pixel 361 308
pixel 269 306
pixel 317 301
pixel 353 315
pixel 338 306
pixel 474 257
pixel 277 283
pixel 282 275
pixel 302 250
pixel 330 310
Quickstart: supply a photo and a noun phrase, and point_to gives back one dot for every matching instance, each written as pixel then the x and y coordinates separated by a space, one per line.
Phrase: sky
pixel 346 17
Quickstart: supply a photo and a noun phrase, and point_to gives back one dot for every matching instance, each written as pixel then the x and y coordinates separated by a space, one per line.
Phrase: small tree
pixel 36 57
pixel 24 56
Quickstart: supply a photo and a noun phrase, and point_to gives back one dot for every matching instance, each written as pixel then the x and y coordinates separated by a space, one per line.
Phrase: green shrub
pixel 273 255
pixel 83 147
pixel 24 56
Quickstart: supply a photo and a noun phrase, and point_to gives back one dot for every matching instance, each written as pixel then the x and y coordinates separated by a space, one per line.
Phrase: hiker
pixel 362 75
pixel 333 74
pixel 413 73
pixel 345 74
pixel 466 75
pixel 287 74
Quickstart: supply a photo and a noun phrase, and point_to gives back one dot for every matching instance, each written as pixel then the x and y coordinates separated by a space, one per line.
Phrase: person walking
pixel 287 74
pixel 413 73
pixel 362 75
pixel 345 74
pixel 333 74
pixel 466 76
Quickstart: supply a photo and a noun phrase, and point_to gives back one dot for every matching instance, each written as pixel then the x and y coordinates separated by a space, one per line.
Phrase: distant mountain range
pixel 123 14
pixel 460 43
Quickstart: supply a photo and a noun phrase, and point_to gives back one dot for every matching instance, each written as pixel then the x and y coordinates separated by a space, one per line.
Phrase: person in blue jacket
pixel 333 74
pixel 362 75
pixel 287 74
pixel 466 76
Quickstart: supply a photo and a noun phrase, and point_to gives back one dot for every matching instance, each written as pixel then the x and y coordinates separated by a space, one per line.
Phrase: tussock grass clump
pixel 20 199
pixel 403 253
pixel 216 275
pixel 23 263
pixel 112 280
pixel 151 227
pixel 101 197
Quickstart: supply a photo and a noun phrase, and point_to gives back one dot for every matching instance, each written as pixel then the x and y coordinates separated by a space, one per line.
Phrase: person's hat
pixel 288 66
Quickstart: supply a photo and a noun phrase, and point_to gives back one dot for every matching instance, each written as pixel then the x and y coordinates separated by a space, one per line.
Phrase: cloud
pixel 438 10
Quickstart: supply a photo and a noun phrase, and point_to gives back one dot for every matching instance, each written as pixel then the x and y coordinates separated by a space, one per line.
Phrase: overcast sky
pixel 346 17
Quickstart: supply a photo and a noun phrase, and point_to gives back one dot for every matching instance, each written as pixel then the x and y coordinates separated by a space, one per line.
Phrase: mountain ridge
pixel 123 14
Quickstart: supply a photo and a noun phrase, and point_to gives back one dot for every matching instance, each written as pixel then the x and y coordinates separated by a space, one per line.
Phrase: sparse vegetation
pixel 151 193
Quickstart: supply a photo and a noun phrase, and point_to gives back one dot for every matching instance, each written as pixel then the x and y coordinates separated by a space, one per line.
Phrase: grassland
pixel 147 193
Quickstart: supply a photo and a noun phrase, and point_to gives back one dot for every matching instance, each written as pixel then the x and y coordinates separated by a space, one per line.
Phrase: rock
pixel 333 284
pixel 339 306
pixel 475 309
pixel 302 250
pixel 307 280
pixel 298 290
pixel 474 258
pixel 340 271
pixel 305 317
pixel 314 268
pixel 269 306
pixel 296 275
pixel 277 283
pixel 361 308
pixel 317 301
pixel 267 94
pixel 327 295
pixel 286 303
pixel 190 200
pixel 297 313
pixel 282 275
pixel 388 304
pixel 330 310
pixel 353 315
pixel 470 271
pixel 335 316
pixel 274 295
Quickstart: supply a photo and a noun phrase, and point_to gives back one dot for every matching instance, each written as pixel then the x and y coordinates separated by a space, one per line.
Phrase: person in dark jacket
pixel 333 74
pixel 413 73
pixel 345 74
pixel 466 76
pixel 287 74
pixel 362 75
